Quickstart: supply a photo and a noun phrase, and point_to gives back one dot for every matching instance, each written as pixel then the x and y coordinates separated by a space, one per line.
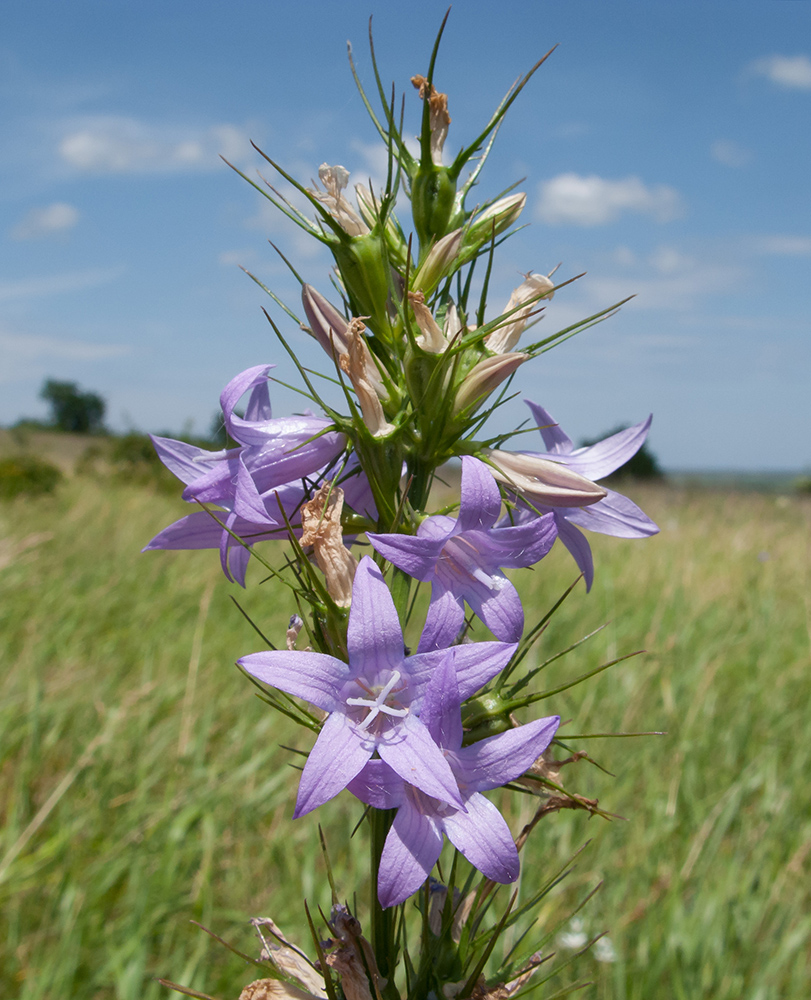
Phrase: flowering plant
pixel 416 736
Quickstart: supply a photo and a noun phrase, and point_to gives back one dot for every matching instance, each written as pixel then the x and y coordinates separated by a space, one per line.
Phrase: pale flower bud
pixel 329 328
pixel 502 213
pixel 321 528
pixel 430 338
pixel 484 377
pixel 439 262
pixel 439 119
pixel 550 484
pixel 534 288
pixel 358 365
pixel 335 179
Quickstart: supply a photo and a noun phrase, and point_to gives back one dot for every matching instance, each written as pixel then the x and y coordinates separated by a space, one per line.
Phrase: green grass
pixel 142 785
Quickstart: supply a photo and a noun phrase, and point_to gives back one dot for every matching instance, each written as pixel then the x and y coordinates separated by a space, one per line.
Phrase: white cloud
pixel 783 246
pixel 24 354
pixel 730 153
pixel 51 220
pixel 793 72
pixel 595 201
pixel 113 144
pixel 72 281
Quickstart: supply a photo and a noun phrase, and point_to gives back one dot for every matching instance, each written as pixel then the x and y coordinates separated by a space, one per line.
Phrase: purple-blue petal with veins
pixel 251 378
pixel 186 461
pixel 374 636
pixel 601 459
pixel 482 835
pixel 314 677
pixel 614 515
pixel 378 786
pixel 247 501
pixel 237 558
pixel 413 554
pixel 498 606
pixel 593 461
pixel 478 662
pixel 518 545
pixel 557 441
pixel 492 762
pixel 218 484
pixel 421 668
pixel 578 545
pixel 339 754
pixel 440 708
pixel 445 618
pixel 410 751
pixel 412 848
pixel 480 496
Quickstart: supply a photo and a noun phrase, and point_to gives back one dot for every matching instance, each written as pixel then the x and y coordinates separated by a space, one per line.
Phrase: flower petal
pixel 412 753
pixel 412 848
pixel 186 461
pixel 556 441
pixel 484 838
pixel 516 545
pixel 315 677
pixel 445 618
pixel 413 554
pixel 374 635
pixel 492 762
pixel 601 459
pixel 440 712
pixel 478 662
pixel 378 786
pixel 339 754
pixel 480 497
pixel 578 545
pixel 615 515
pixel 498 606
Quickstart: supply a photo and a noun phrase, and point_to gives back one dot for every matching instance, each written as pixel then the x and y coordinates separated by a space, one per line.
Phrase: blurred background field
pixel 142 785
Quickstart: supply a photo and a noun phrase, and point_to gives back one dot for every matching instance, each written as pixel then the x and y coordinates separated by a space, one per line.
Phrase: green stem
pixel 384 943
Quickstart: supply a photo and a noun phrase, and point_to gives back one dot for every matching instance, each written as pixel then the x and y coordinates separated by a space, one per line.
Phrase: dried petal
pixel 321 524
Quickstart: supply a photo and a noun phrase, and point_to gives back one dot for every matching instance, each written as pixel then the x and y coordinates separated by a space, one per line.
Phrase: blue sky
pixel 666 150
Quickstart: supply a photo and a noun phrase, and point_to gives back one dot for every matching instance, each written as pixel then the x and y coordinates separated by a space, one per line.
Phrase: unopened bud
pixel 483 378
pixel 494 220
pixel 329 328
pixel 550 484
pixel 528 294
pixel 438 264
pixel 438 117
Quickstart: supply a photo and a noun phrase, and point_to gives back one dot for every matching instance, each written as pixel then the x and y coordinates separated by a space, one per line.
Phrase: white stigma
pixel 378 704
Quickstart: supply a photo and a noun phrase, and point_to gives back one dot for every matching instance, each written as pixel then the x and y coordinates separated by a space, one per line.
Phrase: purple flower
pixel 374 701
pixel 279 464
pixel 615 514
pixel 478 830
pixel 462 557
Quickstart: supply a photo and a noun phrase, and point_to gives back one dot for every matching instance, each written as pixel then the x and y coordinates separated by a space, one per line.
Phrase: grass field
pixel 142 785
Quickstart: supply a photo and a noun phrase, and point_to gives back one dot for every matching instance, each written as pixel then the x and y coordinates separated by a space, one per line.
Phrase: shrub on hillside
pixel 27 475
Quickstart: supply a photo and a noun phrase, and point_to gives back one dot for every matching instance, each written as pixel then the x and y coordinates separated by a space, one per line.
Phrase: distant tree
pixel 72 409
pixel 642 465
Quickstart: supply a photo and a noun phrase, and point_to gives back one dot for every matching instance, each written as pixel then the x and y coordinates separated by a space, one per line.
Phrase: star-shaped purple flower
pixel 479 831
pixel 463 557
pixel 615 514
pixel 374 701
